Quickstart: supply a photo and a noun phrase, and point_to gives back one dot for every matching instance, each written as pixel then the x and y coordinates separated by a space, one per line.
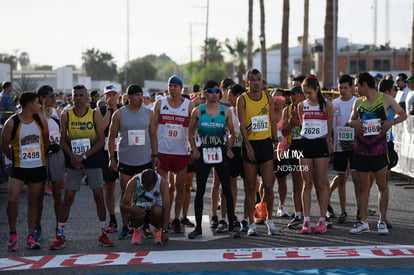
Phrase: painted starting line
pixel 207 255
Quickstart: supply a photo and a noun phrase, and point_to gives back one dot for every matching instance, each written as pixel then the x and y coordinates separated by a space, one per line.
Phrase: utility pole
pixel 127 44
pixel 205 42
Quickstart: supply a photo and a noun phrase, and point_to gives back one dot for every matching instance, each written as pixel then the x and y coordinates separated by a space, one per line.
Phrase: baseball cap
pixel 110 87
pixel 146 94
pixel 378 76
pixel 410 79
pixel 174 79
pixel 94 93
pixel 134 89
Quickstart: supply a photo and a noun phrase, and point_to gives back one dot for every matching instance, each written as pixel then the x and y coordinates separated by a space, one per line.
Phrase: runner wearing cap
pixel 137 146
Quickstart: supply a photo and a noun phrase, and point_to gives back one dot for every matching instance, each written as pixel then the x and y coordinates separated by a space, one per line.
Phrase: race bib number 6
pixel 136 137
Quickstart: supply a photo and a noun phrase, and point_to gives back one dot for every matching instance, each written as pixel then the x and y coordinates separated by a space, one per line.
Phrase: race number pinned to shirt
pixel 80 146
pixel 30 153
pixel 212 155
pixel 260 123
pixel 106 144
pixel 173 131
pixel 372 127
pixel 54 137
pixel 312 128
pixel 136 137
pixel 345 133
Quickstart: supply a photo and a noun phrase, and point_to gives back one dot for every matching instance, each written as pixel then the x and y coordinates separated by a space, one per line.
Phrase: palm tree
pixel 250 37
pixel 328 45
pixel 263 39
pixel 238 51
pixel 306 60
pixel 284 52
pixel 214 52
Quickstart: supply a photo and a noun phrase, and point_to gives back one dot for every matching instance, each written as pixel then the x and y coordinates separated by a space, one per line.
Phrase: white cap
pixel 146 94
pixel 110 87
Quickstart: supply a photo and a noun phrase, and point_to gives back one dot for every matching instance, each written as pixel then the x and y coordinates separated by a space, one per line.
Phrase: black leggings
pixel 223 172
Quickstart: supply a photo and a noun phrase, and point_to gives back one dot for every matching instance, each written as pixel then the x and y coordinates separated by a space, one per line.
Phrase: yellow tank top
pixel 257 117
pixel 81 128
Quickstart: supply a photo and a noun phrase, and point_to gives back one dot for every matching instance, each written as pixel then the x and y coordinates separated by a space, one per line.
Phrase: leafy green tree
pixel 9 59
pixel 238 51
pixel 43 67
pixel 99 65
pixel 139 70
pixel 214 52
pixel 209 72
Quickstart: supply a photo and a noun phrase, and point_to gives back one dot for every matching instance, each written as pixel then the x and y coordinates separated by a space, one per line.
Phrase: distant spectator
pixel 7 107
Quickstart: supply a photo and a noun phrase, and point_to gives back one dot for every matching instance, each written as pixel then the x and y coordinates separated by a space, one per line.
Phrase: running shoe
pixel 328 222
pixel 186 222
pixel 214 222
pixel 281 212
pixel 382 228
pixel 221 227
pixel 104 240
pixel 195 233
pixel 112 227
pixel 31 243
pixel 176 226
pixel 252 230
pixel 147 231
pixel 295 222
pixel 48 191
pixel 123 235
pixel 12 245
pixel 37 233
pixel 306 228
pixel 271 229
pixel 342 218
pixel 235 230
pixel 57 244
pixel 321 227
pixel 359 228
pixel 157 236
pixel 244 226
pixel 330 212
pixel 136 236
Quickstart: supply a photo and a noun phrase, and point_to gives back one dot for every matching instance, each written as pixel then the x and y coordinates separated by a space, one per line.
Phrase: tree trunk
pixel 412 46
pixel 263 39
pixel 250 37
pixel 306 58
pixel 284 54
pixel 327 75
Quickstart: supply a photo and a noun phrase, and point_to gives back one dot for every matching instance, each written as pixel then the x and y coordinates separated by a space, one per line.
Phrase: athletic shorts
pixel 281 167
pixel 74 178
pixel 236 163
pixel 263 151
pixel 56 166
pixel 174 163
pixel 107 173
pixel 341 160
pixel 362 163
pixel 133 170
pixel 32 175
pixel 314 148
pixel 295 152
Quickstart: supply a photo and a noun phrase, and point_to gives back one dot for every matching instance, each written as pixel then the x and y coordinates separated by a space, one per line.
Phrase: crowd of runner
pixel 154 148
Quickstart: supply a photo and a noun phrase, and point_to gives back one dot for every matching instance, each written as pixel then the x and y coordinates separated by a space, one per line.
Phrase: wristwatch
pixel 84 156
pixel 165 231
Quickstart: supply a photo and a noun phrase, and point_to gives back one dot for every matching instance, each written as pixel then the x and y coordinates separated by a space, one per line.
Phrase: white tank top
pixel 314 122
pixel 173 128
pixel 54 131
pixel 342 113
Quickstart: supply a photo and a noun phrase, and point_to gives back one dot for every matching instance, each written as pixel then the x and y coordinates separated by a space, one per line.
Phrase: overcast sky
pixel 56 32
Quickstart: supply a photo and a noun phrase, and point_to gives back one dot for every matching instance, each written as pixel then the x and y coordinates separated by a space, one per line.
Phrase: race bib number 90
pixel 212 155
pixel 260 123
pixel 173 131
pixel 80 146
pixel 372 127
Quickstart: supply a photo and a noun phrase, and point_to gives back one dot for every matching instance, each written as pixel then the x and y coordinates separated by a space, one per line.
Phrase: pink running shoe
pixel 12 244
pixel 104 240
pixel 306 228
pixel 136 236
pixel 321 227
pixel 157 236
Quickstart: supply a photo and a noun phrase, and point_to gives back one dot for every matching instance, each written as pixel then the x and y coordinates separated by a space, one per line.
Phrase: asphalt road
pixel 82 232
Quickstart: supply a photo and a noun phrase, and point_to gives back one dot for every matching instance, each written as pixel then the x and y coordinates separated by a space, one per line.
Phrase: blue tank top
pixel 212 130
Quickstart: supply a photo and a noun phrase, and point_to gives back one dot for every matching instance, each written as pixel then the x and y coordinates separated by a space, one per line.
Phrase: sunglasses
pixel 213 91
pixel 52 96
